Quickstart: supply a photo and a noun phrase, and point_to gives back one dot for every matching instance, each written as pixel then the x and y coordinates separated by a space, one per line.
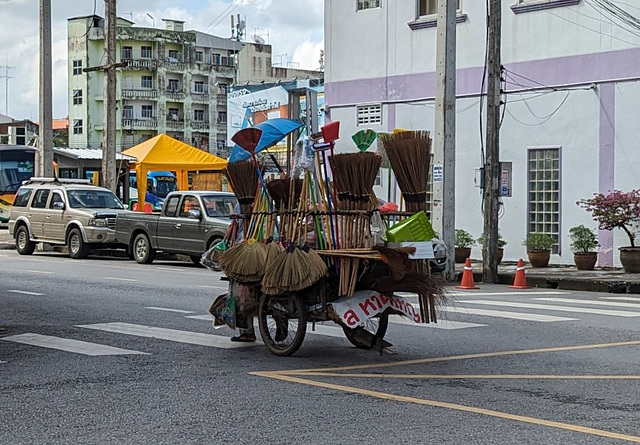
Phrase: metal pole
pixel 109 173
pixel 492 162
pixel 444 149
pixel 45 131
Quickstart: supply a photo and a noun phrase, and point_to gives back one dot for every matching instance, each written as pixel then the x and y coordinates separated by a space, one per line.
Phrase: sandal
pixel 246 338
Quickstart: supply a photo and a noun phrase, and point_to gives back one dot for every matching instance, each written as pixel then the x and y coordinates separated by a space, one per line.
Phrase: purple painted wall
pixel 606 177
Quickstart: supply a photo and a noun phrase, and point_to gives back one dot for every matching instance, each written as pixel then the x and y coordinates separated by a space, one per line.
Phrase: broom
pixel 243 177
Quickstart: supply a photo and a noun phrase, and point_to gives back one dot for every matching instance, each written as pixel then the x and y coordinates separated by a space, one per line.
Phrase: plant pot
pixel 462 253
pixel 630 259
pixel 585 260
pixel 539 258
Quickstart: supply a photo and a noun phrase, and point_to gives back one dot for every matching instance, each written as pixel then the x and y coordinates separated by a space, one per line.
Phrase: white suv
pixel 69 212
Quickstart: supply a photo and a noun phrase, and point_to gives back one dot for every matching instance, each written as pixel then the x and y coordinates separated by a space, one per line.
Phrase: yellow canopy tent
pixel 166 153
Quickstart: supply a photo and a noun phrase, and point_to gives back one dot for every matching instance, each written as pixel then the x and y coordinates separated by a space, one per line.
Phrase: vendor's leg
pixel 246 335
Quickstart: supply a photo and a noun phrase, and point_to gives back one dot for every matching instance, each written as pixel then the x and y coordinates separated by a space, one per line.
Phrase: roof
pixel 4 147
pixel 88 153
pixel 60 124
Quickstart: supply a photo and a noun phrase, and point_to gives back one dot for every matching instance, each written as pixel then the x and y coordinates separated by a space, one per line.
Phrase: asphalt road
pixel 502 367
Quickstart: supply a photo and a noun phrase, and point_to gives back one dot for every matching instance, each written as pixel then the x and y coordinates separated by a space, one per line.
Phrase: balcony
pixel 134 122
pixel 175 121
pixel 141 60
pixel 221 99
pixel 200 125
pixel 96 33
pixel 174 63
pixel 144 93
pixel 174 93
pixel 221 127
pixel 200 95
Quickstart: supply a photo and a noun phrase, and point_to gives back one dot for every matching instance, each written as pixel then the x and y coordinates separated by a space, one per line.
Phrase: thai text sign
pixel 365 304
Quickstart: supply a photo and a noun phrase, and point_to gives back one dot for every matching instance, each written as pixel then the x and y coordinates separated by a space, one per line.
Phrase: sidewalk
pixel 553 277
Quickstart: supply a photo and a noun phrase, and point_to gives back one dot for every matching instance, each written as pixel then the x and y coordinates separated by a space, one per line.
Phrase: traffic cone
pixel 520 280
pixel 467 277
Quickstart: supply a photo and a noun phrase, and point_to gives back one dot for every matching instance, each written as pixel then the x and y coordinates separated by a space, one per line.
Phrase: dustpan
pixel 415 228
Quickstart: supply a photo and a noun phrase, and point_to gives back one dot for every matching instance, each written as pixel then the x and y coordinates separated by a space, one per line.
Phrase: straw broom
pixel 243 177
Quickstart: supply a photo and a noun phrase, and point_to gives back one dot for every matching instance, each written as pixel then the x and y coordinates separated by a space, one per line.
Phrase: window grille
pixel 369 114
pixel 367 4
pixel 544 193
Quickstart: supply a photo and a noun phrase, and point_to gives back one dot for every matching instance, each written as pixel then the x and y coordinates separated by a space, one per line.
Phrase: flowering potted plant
pixel 539 248
pixel 583 243
pixel 462 241
pixel 620 210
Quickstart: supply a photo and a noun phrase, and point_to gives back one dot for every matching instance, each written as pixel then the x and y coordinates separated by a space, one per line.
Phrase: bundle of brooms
pixel 298 266
pixel 243 176
pixel 353 177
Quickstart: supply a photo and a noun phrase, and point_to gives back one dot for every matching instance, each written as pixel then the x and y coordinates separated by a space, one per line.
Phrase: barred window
pixel 369 114
pixel 367 4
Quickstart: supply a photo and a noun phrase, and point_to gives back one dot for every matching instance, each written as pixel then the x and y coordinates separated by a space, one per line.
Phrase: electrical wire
pixel 545 119
pixel 228 10
pixel 590 29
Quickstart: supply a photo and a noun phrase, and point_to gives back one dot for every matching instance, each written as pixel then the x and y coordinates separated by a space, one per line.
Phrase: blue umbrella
pixel 273 131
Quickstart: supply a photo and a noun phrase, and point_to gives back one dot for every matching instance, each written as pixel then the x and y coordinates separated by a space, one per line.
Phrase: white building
pixel 570 125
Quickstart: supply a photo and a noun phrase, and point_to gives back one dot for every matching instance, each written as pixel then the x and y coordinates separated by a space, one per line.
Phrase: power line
pixel 229 9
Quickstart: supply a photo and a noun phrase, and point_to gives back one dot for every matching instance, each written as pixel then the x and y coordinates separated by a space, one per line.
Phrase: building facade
pixel 570 84
pixel 174 82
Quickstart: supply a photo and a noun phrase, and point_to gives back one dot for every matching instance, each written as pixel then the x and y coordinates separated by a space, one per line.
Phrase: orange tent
pixel 166 153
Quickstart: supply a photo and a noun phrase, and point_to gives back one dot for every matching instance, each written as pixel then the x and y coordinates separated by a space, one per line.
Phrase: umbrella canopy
pixel 273 131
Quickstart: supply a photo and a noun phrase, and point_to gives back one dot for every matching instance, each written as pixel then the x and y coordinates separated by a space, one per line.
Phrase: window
pixel 198 115
pixel 145 52
pixel 173 55
pixel 171 206
pixel 544 193
pixel 127 112
pixel 189 203
pixel 539 5
pixel 429 7
pixel 198 86
pixel 126 53
pixel 146 82
pixel 173 85
pixel 216 59
pixel 147 111
pixel 40 199
pixel 199 56
pixel 173 114
pixel 369 114
pixel 77 126
pixel 77 97
pixel 77 67
pixel 222 116
pixel 22 197
pixel 56 197
pixel 367 4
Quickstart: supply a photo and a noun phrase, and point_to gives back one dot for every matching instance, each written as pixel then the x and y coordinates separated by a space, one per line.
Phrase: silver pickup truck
pixel 189 223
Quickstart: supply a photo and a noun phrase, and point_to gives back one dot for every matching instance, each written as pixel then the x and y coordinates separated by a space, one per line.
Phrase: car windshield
pixel 166 185
pixel 93 199
pixel 219 206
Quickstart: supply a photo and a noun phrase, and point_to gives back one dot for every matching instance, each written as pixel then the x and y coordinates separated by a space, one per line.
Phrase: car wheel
pixel 143 253
pixel 78 249
pixel 24 245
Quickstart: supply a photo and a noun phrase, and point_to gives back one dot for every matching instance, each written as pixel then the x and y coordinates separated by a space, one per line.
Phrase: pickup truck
pixel 189 223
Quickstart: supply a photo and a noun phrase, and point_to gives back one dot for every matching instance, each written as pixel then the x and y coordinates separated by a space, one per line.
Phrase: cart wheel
pixel 364 337
pixel 283 323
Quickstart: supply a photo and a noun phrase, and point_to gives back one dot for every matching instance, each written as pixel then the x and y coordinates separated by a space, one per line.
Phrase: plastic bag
pixel 303 156
pixel 223 310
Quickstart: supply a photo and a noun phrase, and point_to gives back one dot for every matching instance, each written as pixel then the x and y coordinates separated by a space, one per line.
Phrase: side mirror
pixel 195 214
pixel 58 205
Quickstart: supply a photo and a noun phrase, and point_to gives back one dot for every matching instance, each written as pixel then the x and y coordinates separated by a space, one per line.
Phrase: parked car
pixel 189 223
pixel 69 212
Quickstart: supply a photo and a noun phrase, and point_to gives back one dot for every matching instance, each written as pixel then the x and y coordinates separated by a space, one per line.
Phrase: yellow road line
pixel 470 376
pixel 452 406
pixel 464 357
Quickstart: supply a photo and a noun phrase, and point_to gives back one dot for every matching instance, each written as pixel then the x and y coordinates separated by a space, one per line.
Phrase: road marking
pixel 69 345
pixel 554 308
pixel 472 376
pixel 194 338
pixel 119 279
pixel 452 406
pixel 506 293
pixel 44 272
pixel 622 298
pixel 505 314
pixel 593 302
pixel 206 317
pixel 213 287
pixel 441 324
pixel 166 309
pixel 24 292
pixel 173 269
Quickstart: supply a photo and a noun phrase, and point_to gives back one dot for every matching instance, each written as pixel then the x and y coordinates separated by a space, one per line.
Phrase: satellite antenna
pixel 259 40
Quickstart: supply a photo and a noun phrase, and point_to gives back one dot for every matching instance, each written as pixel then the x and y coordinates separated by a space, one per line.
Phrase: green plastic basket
pixel 415 228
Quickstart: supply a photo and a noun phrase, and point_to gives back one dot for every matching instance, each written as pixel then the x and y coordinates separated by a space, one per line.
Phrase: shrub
pixel 614 210
pixel 583 239
pixel 501 242
pixel 538 241
pixel 463 239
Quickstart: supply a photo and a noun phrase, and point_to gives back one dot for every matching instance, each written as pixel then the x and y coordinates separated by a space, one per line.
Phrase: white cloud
pixel 294 28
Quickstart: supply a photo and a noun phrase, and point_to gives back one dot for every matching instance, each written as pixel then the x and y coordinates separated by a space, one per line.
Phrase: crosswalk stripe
pixel 69 345
pixel 24 292
pixel 549 307
pixel 194 338
pixel 506 294
pixel 166 309
pixel 506 314
pixel 592 302
pixel 622 298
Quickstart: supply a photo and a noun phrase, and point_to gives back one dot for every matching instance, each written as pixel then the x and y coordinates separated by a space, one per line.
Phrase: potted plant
pixel 583 243
pixel 539 248
pixel 501 244
pixel 463 241
pixel 620 210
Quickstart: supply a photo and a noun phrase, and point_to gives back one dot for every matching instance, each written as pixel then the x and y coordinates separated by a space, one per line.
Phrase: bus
pixel 159 185
pixel 17 164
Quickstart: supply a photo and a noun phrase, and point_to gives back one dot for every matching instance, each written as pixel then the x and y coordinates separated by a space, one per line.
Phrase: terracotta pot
pixel 462 253
pixel 630 259
pixel 539 258
pixel 585 260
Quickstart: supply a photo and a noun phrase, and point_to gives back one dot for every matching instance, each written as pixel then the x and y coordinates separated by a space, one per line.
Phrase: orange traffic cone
pixel 520 280
pixel 467 277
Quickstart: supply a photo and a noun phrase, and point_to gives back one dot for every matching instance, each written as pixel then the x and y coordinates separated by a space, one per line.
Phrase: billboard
pixel 246 108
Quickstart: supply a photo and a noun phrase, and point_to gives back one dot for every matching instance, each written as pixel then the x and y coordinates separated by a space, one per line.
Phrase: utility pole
pixel 492 159
pixel 444 149
pixel 109 170
pixel 45 130
pixel 6 78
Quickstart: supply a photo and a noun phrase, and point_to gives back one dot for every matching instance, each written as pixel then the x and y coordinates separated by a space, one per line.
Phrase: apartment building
pixel 174 82
pixel 570 83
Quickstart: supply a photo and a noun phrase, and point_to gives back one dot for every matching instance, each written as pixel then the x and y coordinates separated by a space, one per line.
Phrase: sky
pixel 294 28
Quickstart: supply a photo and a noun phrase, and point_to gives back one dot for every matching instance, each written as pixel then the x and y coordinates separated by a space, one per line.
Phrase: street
pixel 108 351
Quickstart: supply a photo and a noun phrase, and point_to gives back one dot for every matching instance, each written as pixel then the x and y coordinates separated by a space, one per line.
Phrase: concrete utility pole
pixel 6 78
pixel 492 161
pixel 45 130
pixel 444 150
pixel 109 168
